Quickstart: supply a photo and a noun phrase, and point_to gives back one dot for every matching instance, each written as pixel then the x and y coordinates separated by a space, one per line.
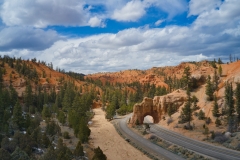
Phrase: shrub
pixel 201 115
pixel 66 135
pixel 218 122
pixel 208 120
pixel 188 127
pixel 220 138
pixel 169 120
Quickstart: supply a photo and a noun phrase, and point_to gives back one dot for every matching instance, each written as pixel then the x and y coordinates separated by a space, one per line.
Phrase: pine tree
pixel 84 131
pixel 215 80
pixel 28 96
pixel 18 118
pixel 230 104
pixel 186 77
pixel 99 155
pixel 237 94
pixel 229 99
pixel 209 89
pixel 78 150
pixel 215 110
pixel 46 113
pixel 220 70
pixel 186 114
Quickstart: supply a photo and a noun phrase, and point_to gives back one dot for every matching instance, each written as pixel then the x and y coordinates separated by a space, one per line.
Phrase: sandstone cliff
pixel 157 107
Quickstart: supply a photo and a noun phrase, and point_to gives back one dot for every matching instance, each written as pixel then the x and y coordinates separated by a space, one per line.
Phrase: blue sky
pixel 91 36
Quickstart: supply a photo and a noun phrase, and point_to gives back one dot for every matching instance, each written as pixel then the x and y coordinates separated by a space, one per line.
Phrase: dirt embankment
pixel 104 135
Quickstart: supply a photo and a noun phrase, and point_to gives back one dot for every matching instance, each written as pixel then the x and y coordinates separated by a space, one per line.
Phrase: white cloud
pixel 215 33
pixel 95 22
pixel 132 11
pixel 226 16
pixel 42 13
pixel 197 7
pixel 158 22
pixel 172 7
pixel 26 38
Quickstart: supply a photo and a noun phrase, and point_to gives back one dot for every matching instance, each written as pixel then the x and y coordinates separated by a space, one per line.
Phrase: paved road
pixel 200 147
pixel 145 144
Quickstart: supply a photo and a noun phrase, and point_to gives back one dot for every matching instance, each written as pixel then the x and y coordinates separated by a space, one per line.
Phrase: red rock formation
pixel 157 107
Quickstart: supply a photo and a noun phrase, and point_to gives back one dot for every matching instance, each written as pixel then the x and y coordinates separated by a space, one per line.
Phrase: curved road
pixel 200 147
pixel 143 143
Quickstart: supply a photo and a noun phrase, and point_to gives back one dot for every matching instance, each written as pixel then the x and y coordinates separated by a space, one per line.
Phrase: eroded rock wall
pixel 157 107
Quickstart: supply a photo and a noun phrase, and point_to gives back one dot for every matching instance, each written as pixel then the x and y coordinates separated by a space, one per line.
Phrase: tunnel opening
pixel 148 119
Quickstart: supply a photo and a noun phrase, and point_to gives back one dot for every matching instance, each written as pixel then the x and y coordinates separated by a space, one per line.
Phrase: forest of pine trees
pixel 20 132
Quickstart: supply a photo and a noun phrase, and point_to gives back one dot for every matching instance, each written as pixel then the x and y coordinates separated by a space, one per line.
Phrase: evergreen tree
pixel 186 114
pixel 18 118
pixel 229 99
pixel 215 110
pixel 209 89
pixel 215 80
pixel 4 155
pixel 237 94
pixel 84 131
pixel 79 150
pixel 99 155
pixel 61 117
pixel 186 77
pixel 46 113
pixel 220 70
pixel 201 115
pixel 50 154
pixel 28 96
pixel 19 154
pixel 230 104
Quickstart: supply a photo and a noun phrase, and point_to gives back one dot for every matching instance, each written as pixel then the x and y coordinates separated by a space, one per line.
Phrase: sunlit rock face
pixel 157 107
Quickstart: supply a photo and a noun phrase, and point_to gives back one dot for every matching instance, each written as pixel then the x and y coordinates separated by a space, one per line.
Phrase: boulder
pixel 157 107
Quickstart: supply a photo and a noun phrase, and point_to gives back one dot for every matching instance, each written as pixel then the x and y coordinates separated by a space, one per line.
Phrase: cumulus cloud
pixel 26 38
pixel 132 11
pixel 215 33
pixel 158 22
pixel 197 7
pixel 95 22
pixel 44 13
pixel 172 7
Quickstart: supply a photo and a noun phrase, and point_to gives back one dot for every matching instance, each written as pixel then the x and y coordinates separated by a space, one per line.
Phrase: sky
pixel 89 36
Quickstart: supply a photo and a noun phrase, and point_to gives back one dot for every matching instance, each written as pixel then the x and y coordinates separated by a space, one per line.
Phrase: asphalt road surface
pixel 143 143
pixel 197 146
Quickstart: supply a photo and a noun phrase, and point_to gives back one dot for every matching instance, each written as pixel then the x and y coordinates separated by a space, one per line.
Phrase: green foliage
pixel 172 108
pixel 218 122
pixel 4 155
pixel 215 110
pixel 110 111
pixel 52 128
pixel 84 131
pixel 79 150
pixel 125 109
pixel 50 154
pixel 99 155
pixel 201 115
pixel 18 118
pixel 46 113
pixel 66 135
pixel 186 79
pixel 28 96
pixel 209 89
pixel 237 94
pixel 220 70
pixel 194 100
pixel 61 117
pixel 186 113
pixel 229 99
pixel 19 154
pixel 63 152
